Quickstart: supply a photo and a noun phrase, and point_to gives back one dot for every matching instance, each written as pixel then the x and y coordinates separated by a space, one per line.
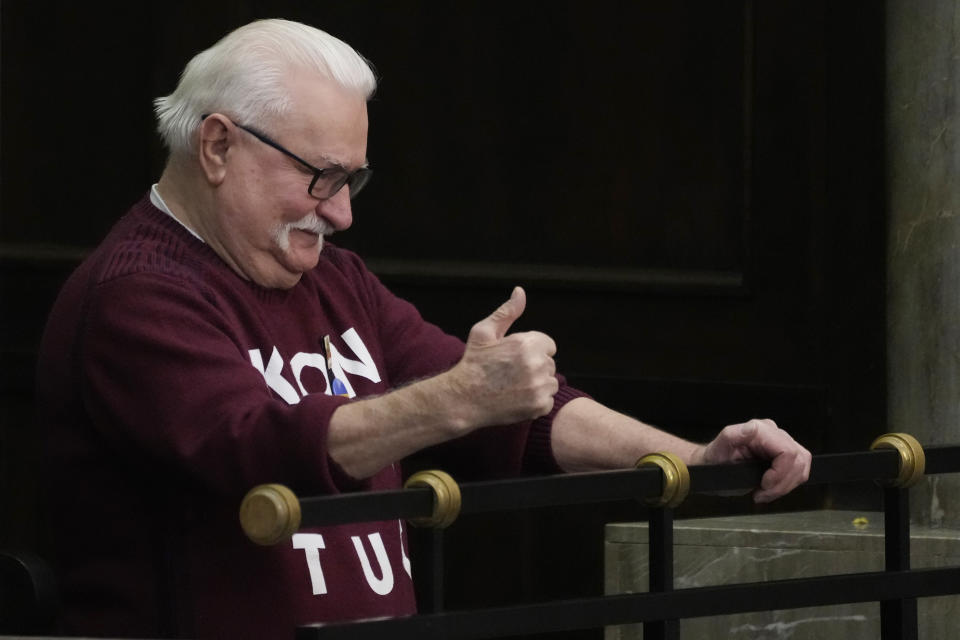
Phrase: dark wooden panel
pixel 571 136
pixel 77 118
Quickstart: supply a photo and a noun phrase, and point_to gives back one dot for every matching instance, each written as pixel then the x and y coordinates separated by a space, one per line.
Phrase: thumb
pixel 494 327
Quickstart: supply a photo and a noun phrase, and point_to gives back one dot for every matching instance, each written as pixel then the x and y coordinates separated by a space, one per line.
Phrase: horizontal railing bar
pixel 739 476
pixel 574 488
pixel 589 613
pixel 826 468
pixel 882 464
pixel 371 506
pixel 481 497
pixel 607 486
pixel 942 458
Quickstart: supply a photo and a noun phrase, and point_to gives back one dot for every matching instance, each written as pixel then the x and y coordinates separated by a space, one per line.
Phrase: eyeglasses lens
pixel 327 185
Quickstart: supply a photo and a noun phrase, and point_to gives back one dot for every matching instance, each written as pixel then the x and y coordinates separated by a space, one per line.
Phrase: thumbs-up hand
pixel 494 327
pixel 506 378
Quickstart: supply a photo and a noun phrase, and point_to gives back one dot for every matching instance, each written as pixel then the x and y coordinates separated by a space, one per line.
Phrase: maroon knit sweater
pixel 169 386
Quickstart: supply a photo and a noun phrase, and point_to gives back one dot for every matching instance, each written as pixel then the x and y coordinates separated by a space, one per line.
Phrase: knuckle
pixel 478 332
pixel 527 363
pixel 545 405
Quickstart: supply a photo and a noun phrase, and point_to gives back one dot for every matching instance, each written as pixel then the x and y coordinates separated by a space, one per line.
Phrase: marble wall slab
pixel 715 551
pixel 922 155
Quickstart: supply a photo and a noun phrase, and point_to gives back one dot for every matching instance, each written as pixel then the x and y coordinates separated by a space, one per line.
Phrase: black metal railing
pixel 271 513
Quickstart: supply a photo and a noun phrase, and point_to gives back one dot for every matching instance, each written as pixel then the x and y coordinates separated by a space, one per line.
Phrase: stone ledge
pixel 729 550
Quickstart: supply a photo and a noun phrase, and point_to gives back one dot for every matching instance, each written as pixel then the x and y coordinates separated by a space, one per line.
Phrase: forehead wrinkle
pixel 338 136
pixel 322 160
pixel 327 143
pixel 326 162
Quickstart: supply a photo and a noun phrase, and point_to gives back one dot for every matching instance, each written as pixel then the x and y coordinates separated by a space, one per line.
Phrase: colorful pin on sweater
pixel 337 387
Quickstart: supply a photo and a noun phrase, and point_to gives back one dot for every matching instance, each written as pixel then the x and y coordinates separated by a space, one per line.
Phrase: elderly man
pixel 214 342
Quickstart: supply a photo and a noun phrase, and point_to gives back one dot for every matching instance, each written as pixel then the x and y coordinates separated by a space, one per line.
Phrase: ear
pixel 215 138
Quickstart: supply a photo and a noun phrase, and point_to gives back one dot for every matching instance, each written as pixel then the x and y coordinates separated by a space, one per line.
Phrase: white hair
pixel 243 75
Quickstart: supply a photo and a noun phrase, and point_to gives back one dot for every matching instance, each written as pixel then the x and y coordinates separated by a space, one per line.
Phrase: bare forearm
pixel 367 435
pixel 500 380
pixel 506 379
pixel 588 436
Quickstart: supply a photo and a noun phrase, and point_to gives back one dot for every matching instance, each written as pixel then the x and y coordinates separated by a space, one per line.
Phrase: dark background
pixel 691 192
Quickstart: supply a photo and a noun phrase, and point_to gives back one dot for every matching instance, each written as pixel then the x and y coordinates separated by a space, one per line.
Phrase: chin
pixel 299 261
pixel 283 280
pixel 285 269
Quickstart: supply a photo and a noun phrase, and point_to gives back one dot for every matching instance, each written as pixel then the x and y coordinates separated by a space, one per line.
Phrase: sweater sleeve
pixel 166 383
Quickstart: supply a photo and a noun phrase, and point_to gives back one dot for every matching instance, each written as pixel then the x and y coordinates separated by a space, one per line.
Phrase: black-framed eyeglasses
pixel 326 182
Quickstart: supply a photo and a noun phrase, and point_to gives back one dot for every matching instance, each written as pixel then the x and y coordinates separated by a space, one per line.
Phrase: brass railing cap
pixel 676 478
pixel 446 493
pixel 270 513
pixel 913 461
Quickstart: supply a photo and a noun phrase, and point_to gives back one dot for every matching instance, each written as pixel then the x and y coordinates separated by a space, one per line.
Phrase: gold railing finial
pixel 912 458
pixel 676 478
pixel 446 493
pixel 270 513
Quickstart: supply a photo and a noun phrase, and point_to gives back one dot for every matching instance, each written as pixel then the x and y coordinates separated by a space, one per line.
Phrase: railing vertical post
pixel 674 486
pixel 446 508
pixel 436 550
pixel 430 592
pixel 661 571
pixel 898 618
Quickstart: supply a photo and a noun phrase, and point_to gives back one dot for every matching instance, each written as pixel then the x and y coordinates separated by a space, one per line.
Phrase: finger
pixel 546 401
pixel 537 342
pixel 788 470
pixel 761 439
pixel 494 327
pixel 731 444
pixel 783 474
pixel 742 434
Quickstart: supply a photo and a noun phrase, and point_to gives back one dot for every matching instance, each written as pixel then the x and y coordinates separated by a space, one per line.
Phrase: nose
pixel 336 209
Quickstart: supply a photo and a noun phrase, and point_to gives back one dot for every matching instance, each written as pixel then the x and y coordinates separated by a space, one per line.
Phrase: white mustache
pixel 310 222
